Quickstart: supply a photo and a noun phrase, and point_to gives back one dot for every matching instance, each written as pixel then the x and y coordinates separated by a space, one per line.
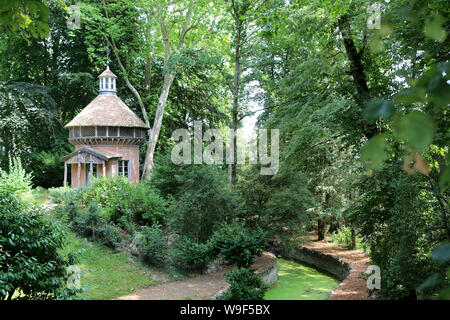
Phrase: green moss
pixel 299 282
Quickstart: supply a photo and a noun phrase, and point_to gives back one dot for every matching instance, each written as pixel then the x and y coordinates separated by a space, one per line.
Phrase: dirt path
pixel 354 287
pixel 201 287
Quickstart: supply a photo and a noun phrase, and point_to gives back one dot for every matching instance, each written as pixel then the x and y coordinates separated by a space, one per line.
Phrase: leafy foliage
pixel 190 255
pixel 244 285
pixel 153 245
pixel 16 180
pixel 204 200
pixel 124 202
pixel 237 245
pixel 30 263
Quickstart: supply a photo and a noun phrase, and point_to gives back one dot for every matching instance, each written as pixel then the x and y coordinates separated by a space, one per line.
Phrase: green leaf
pixel 433 28
pixel 439 91
pixel 444 180
pixel 441 253
pixel 410 95
pixel 417 129
pixel 374 152
pixel 430 282
pixel 377 108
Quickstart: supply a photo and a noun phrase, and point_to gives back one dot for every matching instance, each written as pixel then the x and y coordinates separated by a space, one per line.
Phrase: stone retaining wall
pixel 322 262
pixel 345 265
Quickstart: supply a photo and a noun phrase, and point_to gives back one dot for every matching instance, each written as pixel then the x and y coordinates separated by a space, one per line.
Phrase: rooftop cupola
pixel 107 82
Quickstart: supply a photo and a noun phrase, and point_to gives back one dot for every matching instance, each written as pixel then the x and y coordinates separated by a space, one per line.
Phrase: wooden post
pixel 79 174
pixel 90 171
pixel 104 169
pixel 65 174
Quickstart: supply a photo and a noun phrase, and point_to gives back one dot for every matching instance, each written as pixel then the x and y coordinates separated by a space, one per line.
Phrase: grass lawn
pixel 106 273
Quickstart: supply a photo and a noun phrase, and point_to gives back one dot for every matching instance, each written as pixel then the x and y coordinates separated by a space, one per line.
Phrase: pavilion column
pixel 79 174
pixel 104 169
pixel 90 171
pixel 65 174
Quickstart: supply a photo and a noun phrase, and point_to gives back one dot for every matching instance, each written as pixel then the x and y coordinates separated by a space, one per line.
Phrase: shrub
pixel 17 180
pixel 124 203
pixel 189 255
pixel 166 175
pixel 244 285
pixel 203 202
pixel 146 204
pixel 108 193
pixel 63 194
pixel 237 244
pixel 153 245
pixel 47 167
pixel 90 224
pixel 29 253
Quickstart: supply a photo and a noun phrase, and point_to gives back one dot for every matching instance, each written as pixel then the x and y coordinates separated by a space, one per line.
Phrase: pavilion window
pixel 126 132
pixel 112 131
pixel 101 131
pixel 123 168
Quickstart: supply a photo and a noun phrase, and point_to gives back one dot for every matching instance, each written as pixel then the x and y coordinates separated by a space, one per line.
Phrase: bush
pixel 124 203
pixel 147 205
pixel 153 245
pixel 244 285
pixel 237 244
pixel 47 167
pixel 90 224
pixel 189 255
pixel 204 201
pixel 108 193
pixel 63 194
pixel 16 180
pixel 29 253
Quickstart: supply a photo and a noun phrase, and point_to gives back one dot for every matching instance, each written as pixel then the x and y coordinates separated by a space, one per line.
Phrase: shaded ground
pixel 201 287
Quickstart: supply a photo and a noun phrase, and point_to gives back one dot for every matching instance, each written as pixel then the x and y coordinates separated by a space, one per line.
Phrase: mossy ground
pixel 299 282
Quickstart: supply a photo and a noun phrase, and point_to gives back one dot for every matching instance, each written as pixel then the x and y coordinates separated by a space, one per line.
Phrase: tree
pixel 174 23
pixel 31 266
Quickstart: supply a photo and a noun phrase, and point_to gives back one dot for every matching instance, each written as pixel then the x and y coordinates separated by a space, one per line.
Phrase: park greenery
pixel 362 107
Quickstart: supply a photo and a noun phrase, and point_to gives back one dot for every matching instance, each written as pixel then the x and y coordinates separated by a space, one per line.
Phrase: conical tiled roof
pixel 107 110
pixel 107 73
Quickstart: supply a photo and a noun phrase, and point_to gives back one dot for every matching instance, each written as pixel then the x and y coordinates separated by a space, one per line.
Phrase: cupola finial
pixel 107 79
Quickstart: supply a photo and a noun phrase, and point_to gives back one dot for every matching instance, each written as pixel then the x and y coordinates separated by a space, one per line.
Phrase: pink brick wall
pixel 130 153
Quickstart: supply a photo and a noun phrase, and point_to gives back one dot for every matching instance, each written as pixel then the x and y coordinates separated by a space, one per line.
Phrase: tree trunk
pixel 154 132
pixel 237 74
pixel 320 229
pixel 352 230
pixel 357 71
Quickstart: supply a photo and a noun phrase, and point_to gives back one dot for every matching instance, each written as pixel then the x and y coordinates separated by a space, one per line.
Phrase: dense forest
pixel 359 91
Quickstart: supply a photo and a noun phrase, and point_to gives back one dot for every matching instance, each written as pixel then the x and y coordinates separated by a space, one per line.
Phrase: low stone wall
pixel 345 265
pixel 322 262
pixel 267 267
